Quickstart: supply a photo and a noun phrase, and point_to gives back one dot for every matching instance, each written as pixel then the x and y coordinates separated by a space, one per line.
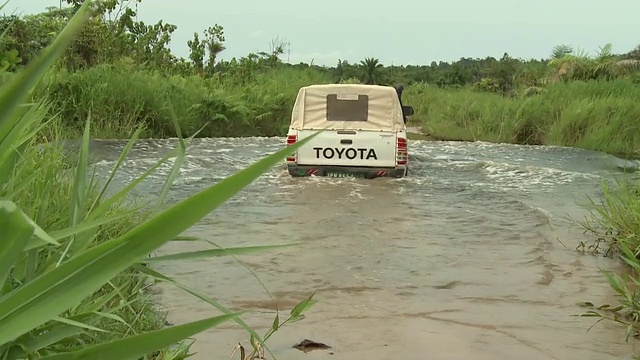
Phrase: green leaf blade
pixel 16 231
pixel 133 347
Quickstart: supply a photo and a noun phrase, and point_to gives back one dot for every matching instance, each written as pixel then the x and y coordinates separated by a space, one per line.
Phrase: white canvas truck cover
pixel 347 106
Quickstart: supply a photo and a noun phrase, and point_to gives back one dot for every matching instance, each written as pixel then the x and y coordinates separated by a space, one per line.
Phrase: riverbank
pixel 614 226
pixel 596 115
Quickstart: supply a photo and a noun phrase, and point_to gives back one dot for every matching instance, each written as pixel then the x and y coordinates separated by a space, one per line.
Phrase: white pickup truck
pixel 363 131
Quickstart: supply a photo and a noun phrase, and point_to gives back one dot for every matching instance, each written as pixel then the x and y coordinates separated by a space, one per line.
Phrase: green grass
pixel 595 115
pixel 42 189
pixel 119 97
pixel 615 222
pixel 73 261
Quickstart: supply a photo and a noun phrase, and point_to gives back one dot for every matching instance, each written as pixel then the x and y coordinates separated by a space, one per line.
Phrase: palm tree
pixel 608 65
pixel 561 50
pixel 214 42
pixel 569 65
pixel 371 68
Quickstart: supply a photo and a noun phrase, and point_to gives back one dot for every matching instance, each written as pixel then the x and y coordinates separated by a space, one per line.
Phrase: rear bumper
pixel 345 171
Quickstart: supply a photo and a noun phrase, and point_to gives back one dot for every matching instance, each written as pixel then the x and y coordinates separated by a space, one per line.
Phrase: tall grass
pixel 595 115
pixel 615 221
pixel 72 259
pixel 42 187
pixel 119 97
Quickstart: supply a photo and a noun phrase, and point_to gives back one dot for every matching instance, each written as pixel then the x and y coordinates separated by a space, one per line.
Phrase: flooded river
pixel 470 257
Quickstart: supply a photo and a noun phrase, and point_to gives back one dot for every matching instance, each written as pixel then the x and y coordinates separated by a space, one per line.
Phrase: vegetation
pixel 596 115
pixel 72 260
pixel 119 73
pixel 615 222
pixel 122 72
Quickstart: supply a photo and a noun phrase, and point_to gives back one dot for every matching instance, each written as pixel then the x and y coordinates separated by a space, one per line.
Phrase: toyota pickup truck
pixel 362 131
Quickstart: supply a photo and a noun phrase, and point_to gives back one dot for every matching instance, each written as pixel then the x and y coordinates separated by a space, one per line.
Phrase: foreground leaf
pixel 15 232
pixel 48 338
pixel 50 294
pixel 40 237
pixel 77 324
pixel 89 225
pixel 123 155
pixel 79 194
pixel 133 347
pixel 175 169
pixel 16 140
pixel 303 306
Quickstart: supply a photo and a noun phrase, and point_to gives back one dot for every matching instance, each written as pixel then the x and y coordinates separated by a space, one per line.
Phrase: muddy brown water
pixel 470 257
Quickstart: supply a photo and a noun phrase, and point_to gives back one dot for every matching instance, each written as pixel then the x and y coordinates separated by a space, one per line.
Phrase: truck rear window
pixel 347 107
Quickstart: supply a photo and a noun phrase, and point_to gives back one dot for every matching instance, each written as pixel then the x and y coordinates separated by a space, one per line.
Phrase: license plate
pixel 333 174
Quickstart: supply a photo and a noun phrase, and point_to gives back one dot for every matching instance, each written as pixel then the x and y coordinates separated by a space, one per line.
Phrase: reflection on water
pixel 463 259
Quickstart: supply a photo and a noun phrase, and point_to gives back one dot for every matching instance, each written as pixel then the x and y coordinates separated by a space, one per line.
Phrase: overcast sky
pixel 397 31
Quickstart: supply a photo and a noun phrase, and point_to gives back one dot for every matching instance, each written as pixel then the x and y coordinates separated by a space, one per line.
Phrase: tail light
pixel 402 155
pixel 291 139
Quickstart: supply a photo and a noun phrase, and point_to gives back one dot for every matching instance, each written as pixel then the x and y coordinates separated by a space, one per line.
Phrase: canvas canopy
pixel 347 106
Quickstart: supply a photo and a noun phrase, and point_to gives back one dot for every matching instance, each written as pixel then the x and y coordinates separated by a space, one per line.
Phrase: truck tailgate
pixel 348 148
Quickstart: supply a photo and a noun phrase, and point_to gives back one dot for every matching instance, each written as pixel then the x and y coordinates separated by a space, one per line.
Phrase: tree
pixel 214 43
pixel 503 72
pixel 572 65
pixel 196 53
pixel 371 70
